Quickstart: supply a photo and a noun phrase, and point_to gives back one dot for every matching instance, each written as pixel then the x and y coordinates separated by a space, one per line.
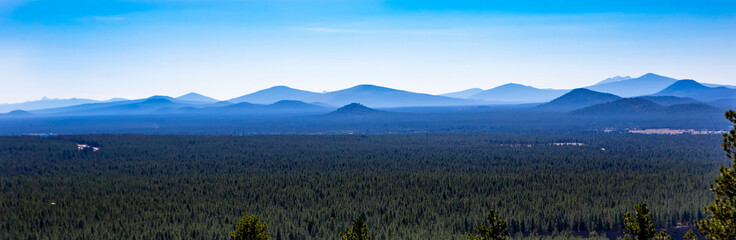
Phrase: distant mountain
pixel 239 106
pixel 220 104
pixel 355 109
pixel 275 94
pixel 153 105
pixel 321 104
pixel 285 100
pixel 718 85
pixel 614 79
pixel 16 114
pixel 196 97
pixel 81 107
pixel 293 106
pixel 463 94
pixel 578 98
pixel 284 107
pixel 167 105
pixel 727 103
pixel 146 105
pixel 622 106
pixel 378 97
pixel 645 85
pixel 518 93
pixel 641 106
pixel 692 89
pixel 160 97
pixel 44 103
pixel 670 100
pixel 691 108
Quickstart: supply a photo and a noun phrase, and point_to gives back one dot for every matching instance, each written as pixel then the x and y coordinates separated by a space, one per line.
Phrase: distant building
pixel 568 144
pixel 81 147
pixel 668 131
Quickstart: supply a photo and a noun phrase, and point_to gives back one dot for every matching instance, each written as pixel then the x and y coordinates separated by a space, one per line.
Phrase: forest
pixel 467 120
pixel 408 186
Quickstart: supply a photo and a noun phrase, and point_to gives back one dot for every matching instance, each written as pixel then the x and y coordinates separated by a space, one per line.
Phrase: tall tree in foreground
pixel 249 228
pixel 641 226
pixel 721 223
pixel 493 228
pixel 689 235
pixel 359 231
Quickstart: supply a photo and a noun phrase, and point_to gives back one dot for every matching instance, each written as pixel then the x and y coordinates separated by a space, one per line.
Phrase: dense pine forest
pixel 417 186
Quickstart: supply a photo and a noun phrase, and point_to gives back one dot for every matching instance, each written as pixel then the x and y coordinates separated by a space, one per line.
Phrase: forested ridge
pixel 485 120
pixel 433 186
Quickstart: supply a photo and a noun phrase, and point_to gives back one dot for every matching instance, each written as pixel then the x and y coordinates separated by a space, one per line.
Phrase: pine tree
pixel 359 231
pixel 641 226
pixel 249 228
pixel 721 221
pixel 690 236
pixel 493 228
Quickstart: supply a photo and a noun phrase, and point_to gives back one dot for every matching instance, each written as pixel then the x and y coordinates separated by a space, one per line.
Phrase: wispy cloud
pixel 399 31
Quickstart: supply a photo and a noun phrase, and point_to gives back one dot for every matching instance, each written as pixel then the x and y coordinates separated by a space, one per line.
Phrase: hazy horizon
pixel 225 49
pixel 254 91
pixel 275 86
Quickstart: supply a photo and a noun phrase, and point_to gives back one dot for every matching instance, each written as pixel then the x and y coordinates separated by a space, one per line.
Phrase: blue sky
pixel 227 48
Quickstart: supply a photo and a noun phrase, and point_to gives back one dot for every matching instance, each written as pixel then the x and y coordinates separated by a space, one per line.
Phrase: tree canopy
pixel 721 221
pixel 493 228
pixel 358 231
pixel 249 228
pixel 417 186
pixel 641 225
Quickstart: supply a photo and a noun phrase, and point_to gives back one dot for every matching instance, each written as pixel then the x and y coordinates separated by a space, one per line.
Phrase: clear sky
pixel 226 48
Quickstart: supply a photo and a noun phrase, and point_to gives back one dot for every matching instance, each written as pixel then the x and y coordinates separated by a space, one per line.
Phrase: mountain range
pixel 642 107
pixel 670 100
pixel 275 94
pixel 517 93
pixel 45 102
pixel 283 107
pixel 614 79
pixel 692 89
pixel 578 98
pixel 509 93
pixel 196 97
pixel 369 95
pixel 467 93
pixel 648 88
pixel 585 101
pixel 382 97
pixel 646 84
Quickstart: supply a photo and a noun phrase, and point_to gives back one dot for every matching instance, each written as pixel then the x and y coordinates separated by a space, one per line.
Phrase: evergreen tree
pixel 641 226
pixel 359 231
pixel 493 228
pixel 690 236
pixel 249 228
pixel 721 223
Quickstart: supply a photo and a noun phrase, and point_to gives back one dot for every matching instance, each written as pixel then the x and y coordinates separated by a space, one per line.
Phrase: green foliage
pixel 641 225
pixel 690 236
pixel 721 221
pixel 359 230
pixel 493 228
pixel 407 186
pixel 249 228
